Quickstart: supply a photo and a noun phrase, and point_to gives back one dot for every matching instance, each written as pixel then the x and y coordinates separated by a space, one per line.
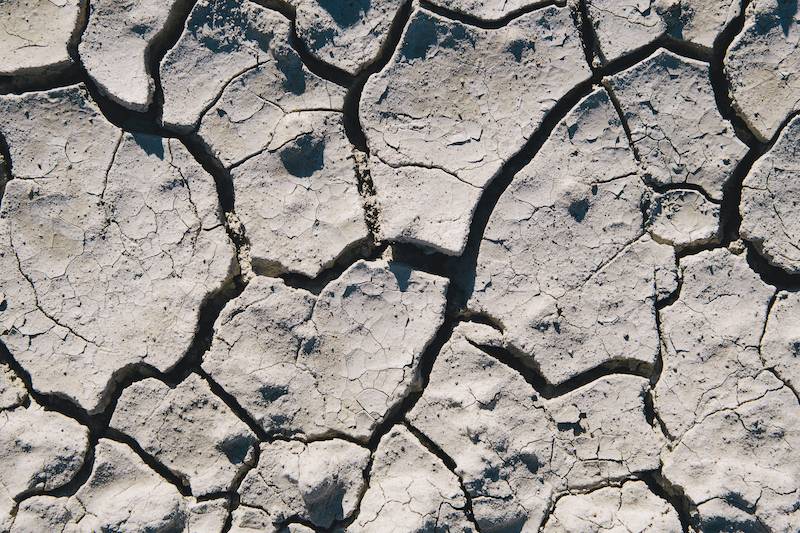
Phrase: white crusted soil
pixel 565 265
pixel 320 482
pixel 515 450
pixel 298 199
pixel 35 35
pixel 399 266
pixel 453 104
pixel 116 46
pixel 684 218
pixel 676 129
pixel 410 489
pixel 110 243
pixel 121 494
pixel 339 362
pixel 189 430
pixel 770 200
pixel 762 66
pixel 632 508
pixel 40 451
pixel 347 34
pixel 625 26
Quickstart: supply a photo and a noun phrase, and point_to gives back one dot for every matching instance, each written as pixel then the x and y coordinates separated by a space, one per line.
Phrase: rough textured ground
pixel 494 266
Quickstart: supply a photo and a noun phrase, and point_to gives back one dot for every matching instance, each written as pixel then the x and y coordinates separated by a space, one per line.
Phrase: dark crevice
pixel 464 268
pixel 209 311
pixel 730 216
pixel 488 24
pixel 651 412
pixel 233 504
pixel 5 167
pixel 77 34
pixel 166 39
pixel 769 273
pixel 352 99
pixel 719 80
pixel 482 318
pixel 450 464
pixel 653 418
pixel 612 96
pixel 233 495
pixel 234 405
pixel 772 369
pixel 156 466
pixel 366 189
pixel 226 193
pixel 281 6
pixel 632 59
pixel 215 168
pixel 69 75
pixel 397 414
pixel 588 35
pixel 686 509
pixel 141 121
pixel 315 64
pixel 422 260
pixel 363 249
pixel 526 367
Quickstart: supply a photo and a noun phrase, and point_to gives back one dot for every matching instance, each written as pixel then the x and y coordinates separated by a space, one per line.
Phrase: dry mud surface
pixel 399 266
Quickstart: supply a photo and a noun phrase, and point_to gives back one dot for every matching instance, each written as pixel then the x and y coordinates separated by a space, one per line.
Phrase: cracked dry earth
pixel 399 266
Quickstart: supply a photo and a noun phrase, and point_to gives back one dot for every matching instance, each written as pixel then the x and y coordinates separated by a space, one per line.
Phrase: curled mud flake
pixel 110 243
pixel 116 46
pixel 452 106
pixel 564 264
pixel 770 201
pixel 762 65
pixel 35 36
pixel 339 362
pixel 319 482
pixel 684 219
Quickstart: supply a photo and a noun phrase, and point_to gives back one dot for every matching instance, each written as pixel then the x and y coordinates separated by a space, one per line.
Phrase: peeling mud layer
pixel 499 266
